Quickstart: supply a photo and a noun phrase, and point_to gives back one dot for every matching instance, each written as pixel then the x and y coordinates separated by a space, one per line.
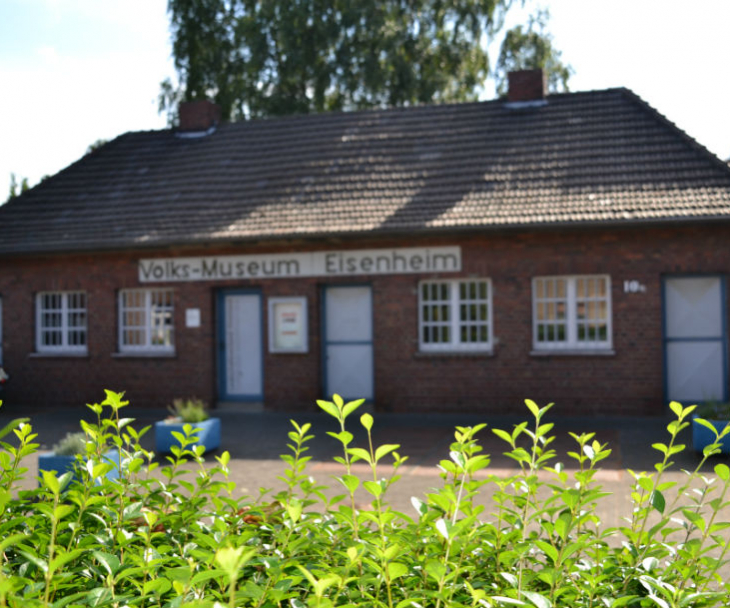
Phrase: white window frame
pixel 454 300
pixel 148 346
pixel 572 343
pixel 65 328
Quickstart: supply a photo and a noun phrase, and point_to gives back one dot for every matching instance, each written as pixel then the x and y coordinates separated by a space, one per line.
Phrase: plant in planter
pixel 194 414
pixel 711 424
pixel 64 455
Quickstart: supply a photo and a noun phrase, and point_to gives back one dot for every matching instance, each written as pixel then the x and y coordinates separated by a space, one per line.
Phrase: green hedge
pixel 176 536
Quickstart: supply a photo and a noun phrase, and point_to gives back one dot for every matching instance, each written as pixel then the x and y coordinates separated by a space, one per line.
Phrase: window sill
pixel 144 355
pixel 58 355
pixel 453 354
pixel 574 352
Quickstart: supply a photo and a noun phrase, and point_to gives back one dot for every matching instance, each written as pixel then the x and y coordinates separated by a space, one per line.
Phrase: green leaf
pixel 436 570
pixel 722 471
pixel 420 506
pixel 507 600
pixel 343 437
pixel 351 482
pixel 533 407
pixel 12 425
pixel 367 421
pixel 233 559
pixel 540 601
pixel 504 435
pixel 548 549
pixel 657 501
pixel 385 449
pixel 294 509
pixel 350 407
pixel 160 586
pixel 98 596
pixel 396 570
pixel 646 483
pixel 64 558
pixel 110 562
pixel 61 511
pixel 51 482
pixel 206 575
pixel 10 541
pixel 373 487
pixel 34 559
pixel 330 408
pixel 360 454
pixel 412 602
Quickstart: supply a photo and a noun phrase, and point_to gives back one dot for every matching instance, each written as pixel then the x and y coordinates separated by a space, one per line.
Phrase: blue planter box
pixel 209 434
pixel 702 436
pixel 49 461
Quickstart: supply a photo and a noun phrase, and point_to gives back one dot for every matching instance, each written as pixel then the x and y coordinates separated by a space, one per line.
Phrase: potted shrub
pixel 717 415
pixel 63 456
pixel 193 412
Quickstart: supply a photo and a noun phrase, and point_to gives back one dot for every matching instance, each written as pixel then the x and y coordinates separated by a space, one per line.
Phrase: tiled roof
pixel 601 156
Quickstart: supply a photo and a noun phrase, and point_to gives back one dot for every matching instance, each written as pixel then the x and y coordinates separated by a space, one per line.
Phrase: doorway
pixel 240 346
pixel 695 339
pixel 348 342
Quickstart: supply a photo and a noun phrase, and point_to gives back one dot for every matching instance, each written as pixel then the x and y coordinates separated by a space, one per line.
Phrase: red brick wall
pixel 629 382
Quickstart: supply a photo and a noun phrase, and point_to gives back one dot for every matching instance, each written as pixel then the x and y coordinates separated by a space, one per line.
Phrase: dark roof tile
pixel 602 156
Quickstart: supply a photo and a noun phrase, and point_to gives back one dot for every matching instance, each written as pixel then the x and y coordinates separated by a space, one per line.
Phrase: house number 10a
pixel 634 287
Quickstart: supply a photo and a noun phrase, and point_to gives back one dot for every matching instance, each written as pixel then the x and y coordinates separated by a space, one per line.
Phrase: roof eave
pixel 109 248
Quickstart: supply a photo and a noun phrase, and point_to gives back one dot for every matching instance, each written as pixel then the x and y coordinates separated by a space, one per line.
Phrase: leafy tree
pixel 258 58
pixel 530 49
pixel 17 187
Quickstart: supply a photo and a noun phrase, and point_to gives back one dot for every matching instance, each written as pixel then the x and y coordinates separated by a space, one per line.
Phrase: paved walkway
pixel 255 442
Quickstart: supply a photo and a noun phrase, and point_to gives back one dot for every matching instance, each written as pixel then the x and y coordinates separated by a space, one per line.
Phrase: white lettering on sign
pixel 291 265
pixel 634 287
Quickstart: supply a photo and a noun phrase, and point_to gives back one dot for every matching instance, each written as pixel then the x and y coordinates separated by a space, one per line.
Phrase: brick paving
pixel 255 442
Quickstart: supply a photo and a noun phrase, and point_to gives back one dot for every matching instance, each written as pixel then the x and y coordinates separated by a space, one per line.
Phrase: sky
pixel 76 71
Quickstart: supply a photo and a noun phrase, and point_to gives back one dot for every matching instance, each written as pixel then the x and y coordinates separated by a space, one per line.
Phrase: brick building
pixel 570 248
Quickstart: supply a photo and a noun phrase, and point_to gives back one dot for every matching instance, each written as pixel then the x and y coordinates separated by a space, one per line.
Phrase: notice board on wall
pixel 288 325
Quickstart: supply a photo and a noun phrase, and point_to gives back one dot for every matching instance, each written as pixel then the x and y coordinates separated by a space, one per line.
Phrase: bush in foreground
pixel 175 536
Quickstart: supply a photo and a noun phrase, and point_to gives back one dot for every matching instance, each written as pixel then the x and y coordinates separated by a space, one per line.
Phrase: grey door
pixel 695 339
pixel 240 367
pixel 348 342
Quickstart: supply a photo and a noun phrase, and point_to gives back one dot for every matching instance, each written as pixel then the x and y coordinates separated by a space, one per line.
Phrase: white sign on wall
pixel 292 265
pixel 288 325
pixel 192 317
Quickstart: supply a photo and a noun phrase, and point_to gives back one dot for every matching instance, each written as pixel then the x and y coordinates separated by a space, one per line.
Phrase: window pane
pixel 147 318
pixel 60 314
pixel 454 313
pixel 561 288
pixel 585 304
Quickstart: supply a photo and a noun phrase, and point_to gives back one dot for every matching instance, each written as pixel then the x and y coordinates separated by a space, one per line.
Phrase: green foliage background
pixel 295 56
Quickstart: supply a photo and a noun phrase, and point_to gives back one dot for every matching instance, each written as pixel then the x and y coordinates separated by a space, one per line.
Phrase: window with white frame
pixel 146 320
pixel 572 313
pixel 455 315
pixel 61 322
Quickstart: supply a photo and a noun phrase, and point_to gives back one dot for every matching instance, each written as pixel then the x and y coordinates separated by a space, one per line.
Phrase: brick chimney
pixel 526 85
pixel 198 115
